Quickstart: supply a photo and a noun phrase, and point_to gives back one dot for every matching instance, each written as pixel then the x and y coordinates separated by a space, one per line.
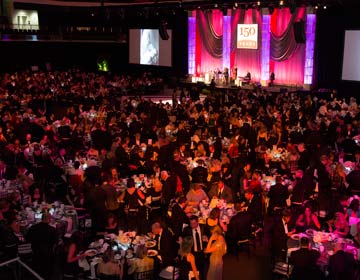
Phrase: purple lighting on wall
pixel 309 51
pixel 226 41
pixel 265 48
pixel 191 44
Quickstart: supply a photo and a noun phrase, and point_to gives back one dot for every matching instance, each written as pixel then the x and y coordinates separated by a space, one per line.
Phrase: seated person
pixel 247 77
pixel 221 191
pixel 304 261
pixel 112 224
pixel 353 210
pixel 141 262
pixel 307 220
pixel 339 225
pixel 108 267
pixel 357 235
pixel 196 194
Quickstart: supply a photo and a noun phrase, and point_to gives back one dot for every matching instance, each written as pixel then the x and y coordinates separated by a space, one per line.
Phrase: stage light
pixel 236 5
pixel 316 7
pixel 325 7
pixel 215 6
pixel 258 3
pixel 281 3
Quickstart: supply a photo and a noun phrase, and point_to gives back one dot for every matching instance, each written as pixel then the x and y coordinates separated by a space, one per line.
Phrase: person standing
pixel 217 248
pixel 43 238
pixel 187 265
pixel 197 232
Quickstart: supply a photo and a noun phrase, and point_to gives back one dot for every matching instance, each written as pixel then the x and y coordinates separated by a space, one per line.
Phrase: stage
pixel 276 88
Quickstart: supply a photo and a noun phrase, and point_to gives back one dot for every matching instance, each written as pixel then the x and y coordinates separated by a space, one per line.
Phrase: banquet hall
pixel 191 139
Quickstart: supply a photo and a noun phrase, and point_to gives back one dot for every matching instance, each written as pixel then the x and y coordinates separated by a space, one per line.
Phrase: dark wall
pixel 17 55
pixel 20 55
pixel 331 26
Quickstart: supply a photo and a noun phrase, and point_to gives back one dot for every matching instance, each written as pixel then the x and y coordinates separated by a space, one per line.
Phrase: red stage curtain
pixel 286 56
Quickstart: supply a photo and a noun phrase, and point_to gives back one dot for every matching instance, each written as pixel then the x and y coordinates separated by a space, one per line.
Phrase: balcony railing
pixel 18 270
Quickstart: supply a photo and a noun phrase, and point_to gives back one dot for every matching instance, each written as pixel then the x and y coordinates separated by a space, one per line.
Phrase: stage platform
pixel 251 86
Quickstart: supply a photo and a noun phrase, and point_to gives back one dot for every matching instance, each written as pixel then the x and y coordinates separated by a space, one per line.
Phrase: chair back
pixel 145 275
pixel 108 277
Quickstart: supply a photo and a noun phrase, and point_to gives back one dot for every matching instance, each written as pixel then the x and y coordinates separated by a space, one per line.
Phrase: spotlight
pixel 316 7
pixel 325 7
pixel 215 6
pixel 258 3
pixel 281 3
pixel 236 5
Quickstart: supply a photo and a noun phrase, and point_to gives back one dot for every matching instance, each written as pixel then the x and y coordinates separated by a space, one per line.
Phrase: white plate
pixel 152 253
pixel 92 252
pixel 97 243
pixel 150 244
pixel 70 212
pixel 310 232
pixel 296 237
pixel 129 256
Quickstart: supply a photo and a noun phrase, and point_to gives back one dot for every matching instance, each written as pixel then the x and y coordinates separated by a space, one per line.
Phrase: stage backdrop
pixel 213 44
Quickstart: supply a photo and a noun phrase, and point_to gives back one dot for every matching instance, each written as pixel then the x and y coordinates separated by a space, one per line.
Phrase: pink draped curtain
pixel 291 70
pixel 214 21
pixel 246 60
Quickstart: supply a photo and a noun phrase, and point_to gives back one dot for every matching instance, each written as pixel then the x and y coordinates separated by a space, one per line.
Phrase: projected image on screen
pixel 149 47
pixel 351 62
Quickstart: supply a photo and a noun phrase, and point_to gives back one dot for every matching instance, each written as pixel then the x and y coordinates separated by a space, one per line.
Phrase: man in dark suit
pixel 341 265
pixel 239 227
pixel 304 261
pixel 165 244
pixel 196 231
pixel 221 191
pixel 43 238
pixel 277 196
pixel 169 186
pixel 253 205
pixel 279 236
pixel 179 217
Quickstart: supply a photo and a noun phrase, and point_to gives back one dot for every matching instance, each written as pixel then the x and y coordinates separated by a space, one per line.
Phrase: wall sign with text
pixel 247 36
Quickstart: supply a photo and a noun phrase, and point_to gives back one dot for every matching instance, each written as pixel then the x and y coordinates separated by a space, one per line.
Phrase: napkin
pixel 83 263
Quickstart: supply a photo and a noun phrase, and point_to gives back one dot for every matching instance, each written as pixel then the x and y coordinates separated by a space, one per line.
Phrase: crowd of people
pixel 287 162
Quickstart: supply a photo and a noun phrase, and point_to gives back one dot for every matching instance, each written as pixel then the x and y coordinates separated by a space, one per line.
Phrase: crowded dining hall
pixel 147 174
